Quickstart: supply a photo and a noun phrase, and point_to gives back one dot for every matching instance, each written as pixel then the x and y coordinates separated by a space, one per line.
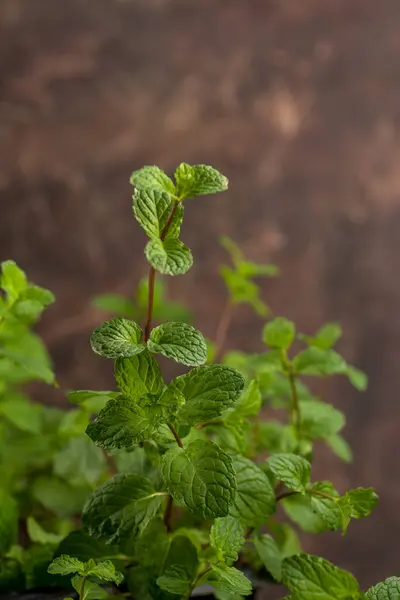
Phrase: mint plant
pixel 184 484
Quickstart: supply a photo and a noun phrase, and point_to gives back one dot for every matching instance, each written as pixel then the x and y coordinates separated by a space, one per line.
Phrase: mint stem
pixel 175 434
pixel 168 514
pixel 152 278
pixel 295 400
pixel 286 494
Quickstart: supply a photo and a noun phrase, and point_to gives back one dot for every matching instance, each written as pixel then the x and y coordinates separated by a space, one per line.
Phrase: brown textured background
pixel 298 102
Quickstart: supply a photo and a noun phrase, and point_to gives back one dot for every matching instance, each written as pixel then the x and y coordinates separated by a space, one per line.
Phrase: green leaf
pixel 83 546
pixel 13 280
pixel 229 579
pixel 92 591
pixel 286 538
pixel 357 378
pixel 242 289
pixel 80 462
pixel 292 470
pixel 169 256
pixel 320 420
pixel 249 402
pixel 356 504
pixel 312 578
pixel 386 590
pixel 65 565
pixel 8 521
pixel 117 337
pixel 324 502
pixel 325 338
pixel 195 180
pixel 254 501
pixel 200 477
pixel 19 410
pixel 279 333
pixel 104 570
pixel 340 447
pixel 27 351
pixel 179 341
pixel 138 375
pixel 121 508
pixel 151 209
pixel 39 535
pixel 59 496
pixel 270 555
pixel 115 304
pixel 180 567
pixel 227 538
pixel 314 361
pixel 208 391
pixel 92 401
pixel 298 509
pixel 121 424
pixel 152 178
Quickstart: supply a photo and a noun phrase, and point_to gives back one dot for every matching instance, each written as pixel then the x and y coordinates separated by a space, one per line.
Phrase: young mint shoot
pixel 156 487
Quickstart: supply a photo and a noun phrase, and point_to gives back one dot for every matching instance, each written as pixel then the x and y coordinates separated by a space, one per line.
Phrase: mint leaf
pixel 180 567
pixel 386 590
pixel 179 341
pixel 39 535
pixel 254 501
pixel 65 565
pixel 357 378
pixel 121 424
pixel 293 470
pixel 104 570
pixel 152 178
pixel 92 591
pixel 19 410
pixel 208 391
pixel 83 546
pixel 227 538
pixel 200 477
pixel 121 508
pixel 80 462
pixel 229 579
pixel 8 521
pixel 270 555
pixel 279 333
pixel 324 502
pixel 320 420
pixel 138 375
pixel 151 209
pixel 325 338
pixel 93 401
pixel 116 304
pixel 12 280
pixel 298 509
pixel 117 337
pixel 356 504
pixel 242 289
pixel 169 256
pixel 195 180
pixel 249 403
pixel 340 447
pixel 314 361
pixel 312 578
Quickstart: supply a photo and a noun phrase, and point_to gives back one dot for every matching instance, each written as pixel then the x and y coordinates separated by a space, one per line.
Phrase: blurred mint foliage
pixel 155 487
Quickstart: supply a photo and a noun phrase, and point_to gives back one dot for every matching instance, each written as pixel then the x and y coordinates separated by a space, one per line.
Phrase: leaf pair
pixel 121 337
pixel 157 206
pixel 239 279
pixel 334 511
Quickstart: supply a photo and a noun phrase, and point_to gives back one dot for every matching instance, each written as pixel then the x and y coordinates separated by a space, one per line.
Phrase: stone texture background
pixel 298 102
